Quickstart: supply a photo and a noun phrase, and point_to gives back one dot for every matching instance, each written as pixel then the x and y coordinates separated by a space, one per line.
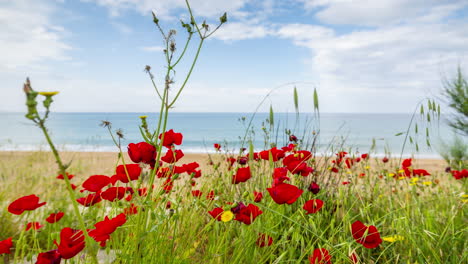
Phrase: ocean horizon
pixel 352 132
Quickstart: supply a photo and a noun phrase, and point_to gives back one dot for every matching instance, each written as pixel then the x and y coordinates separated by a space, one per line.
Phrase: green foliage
pixel 455 153
pixel 456 94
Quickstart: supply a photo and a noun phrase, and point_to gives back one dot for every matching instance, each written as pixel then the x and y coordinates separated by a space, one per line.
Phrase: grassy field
pixel 425 218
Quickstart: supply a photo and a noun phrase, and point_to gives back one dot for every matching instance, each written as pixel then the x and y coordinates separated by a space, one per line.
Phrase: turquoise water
pixel 81 131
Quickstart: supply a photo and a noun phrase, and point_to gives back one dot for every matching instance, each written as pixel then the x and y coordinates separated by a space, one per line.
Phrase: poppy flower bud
pixel 238 207
pixel 314 188
pixel 223 18
pixel 155 19
pixel 292 138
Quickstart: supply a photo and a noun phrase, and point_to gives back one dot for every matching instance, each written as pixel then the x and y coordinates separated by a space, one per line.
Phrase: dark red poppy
pixel 33 225
pixel 365 156
pixel 70 176
pixel 276 154
pixel 55 217
pixel 6 245
pixel 216 213
pixel 258 196
pixel 49 257
pixel 358 159
pixel 313 206
pixel 171 138
pixel 96 182
pixel 314 188
pixel 420 172
pixel 142 152
pixel 217 146
pixel 292 138
pixel 197 193
pixel 385 160
pixel 354 259
pixel 242 160
pixel 90 199
pixel 242 175
pixel 25 203
pixel 172 156
pixel 247 214
pixel 72 242
pixel 296 162
pixel 349 162
pixel 335 170
pixel 133 170
pixel 284 193
pixel 368 236
pixel 114 193
pixel 320 256
pixel 191 167
pixel 346 182
pixel 458 175
pixel 106 227
pixel 264 240
pixel 143 191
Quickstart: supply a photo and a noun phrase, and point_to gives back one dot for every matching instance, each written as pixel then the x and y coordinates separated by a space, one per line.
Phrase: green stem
pixel 63 170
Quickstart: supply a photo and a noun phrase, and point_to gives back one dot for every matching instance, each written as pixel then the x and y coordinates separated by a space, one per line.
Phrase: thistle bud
pixel 155 19
pixel 223 18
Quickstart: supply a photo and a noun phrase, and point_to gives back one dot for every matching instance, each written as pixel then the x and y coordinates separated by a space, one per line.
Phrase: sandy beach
pixel 89 163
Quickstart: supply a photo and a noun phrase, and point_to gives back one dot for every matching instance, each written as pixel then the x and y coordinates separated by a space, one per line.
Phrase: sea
pixel 379 134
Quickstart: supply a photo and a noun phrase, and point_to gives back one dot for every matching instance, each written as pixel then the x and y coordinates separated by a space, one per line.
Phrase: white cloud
pixel 28 35
pixel 241 30
pixel 166 8
pixel 153 48
pixel 375 13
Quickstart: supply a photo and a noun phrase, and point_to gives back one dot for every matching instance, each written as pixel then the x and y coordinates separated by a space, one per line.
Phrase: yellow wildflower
pixel 48 93
pixel 143 116
pixel 391 174
pixel 227 216
pixel 464 196
pixel 401 171
pixel 367 167
pixel 427 183
pixel 392 239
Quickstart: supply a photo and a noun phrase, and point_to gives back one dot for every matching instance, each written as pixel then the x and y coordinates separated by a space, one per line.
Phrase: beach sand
pixel 90 163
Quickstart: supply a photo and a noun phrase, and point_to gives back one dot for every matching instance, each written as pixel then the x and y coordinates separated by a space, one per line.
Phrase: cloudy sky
pixel 361 55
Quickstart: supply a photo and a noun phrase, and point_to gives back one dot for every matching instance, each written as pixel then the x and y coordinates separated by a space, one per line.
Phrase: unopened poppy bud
pixel 293 138
pixel 314 188
pixel 223 18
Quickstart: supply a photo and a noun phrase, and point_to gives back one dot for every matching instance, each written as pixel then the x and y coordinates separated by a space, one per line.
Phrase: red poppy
pixel 133 209
pixel 280 175
pixel 247 214
pixel 106 227
pixel 6 245
pixel 346 182
pixel 264 240
pixel 365 156
pixel 288 148
pixel 142 152
pixel 143 191
pixel 191 167
pixel 210 195
pixel 335 170
pixel 217 146
pixel 172 156
pixel 295 163
pixel 420 172
pixel 171 138
pixel 258 196
pixel 320 256
pixel 216 213
pixel 368 236
pixel 164 172
pixel 134 171
pixel 358 159
pixel 33 225
pixel 114 193
pixel 197 193
pixel 458 175
pixel 314 188
pixel 313 206
pixel 385 160
pixel 292 138
pixel 70 176
pixel 284 193
pixel 354 259
pixel 25 203
pixel 49 257
pixel 276 154
pixel 96 182
pixel 54 217
pixel 72 242
pixel 242 175
pixel 349 162
pixel 242 160
pixel 406 163
pixel 168 185
pixel 90 199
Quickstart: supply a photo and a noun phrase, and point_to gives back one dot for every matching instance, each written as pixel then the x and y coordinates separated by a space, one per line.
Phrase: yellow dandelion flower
pixel 227 216
pixel 391 174
pixel 401 171
pixel 348 172
pixel 427 183
pixel 48 93
pixel 392 239
pixel 464 196
pixel 464 201
pixel 402 178
pixel 143 116
pixel 367 167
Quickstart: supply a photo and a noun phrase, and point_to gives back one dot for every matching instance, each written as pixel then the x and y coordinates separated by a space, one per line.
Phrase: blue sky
pixel 361 55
